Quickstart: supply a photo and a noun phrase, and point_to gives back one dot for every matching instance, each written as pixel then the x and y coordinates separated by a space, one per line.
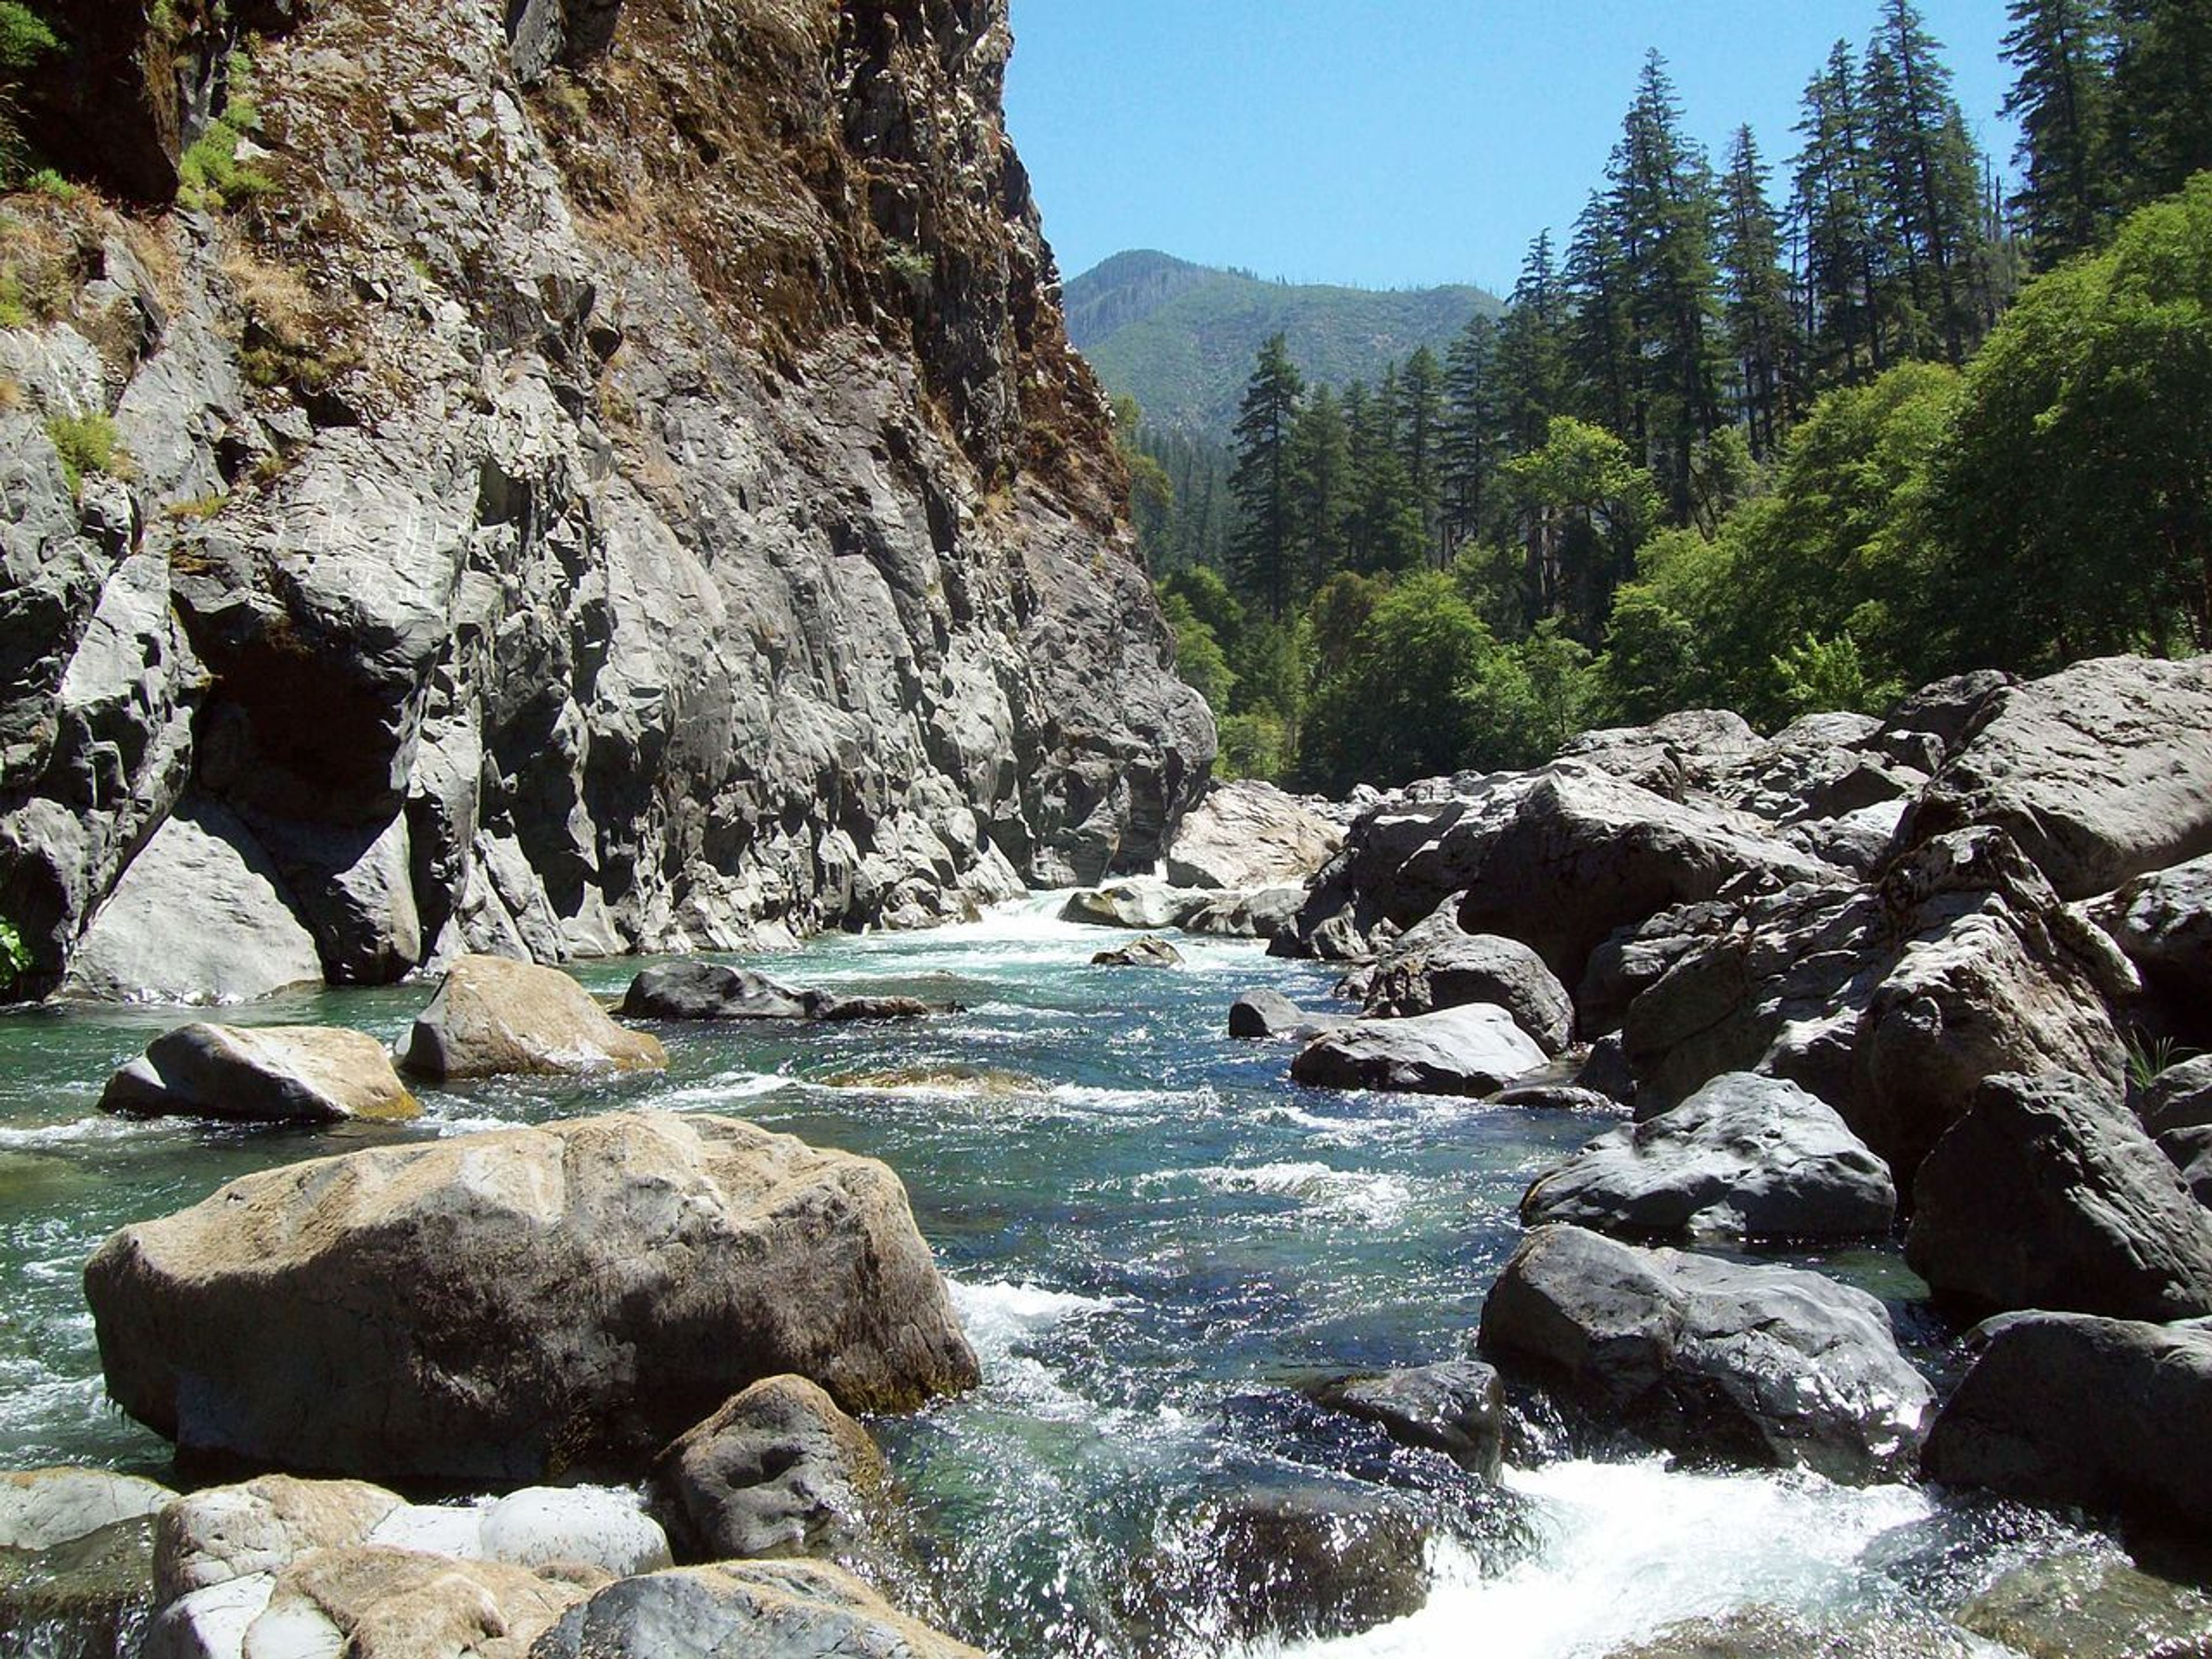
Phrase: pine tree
pixel 1600 342
pixel 1472 440
pixel 1321 448
pixel 1834 206
pixel 2063 100
pixel 1261 548
pixel 1532 370
pixel 2162 95
pixel 1931 183
pixel 1421 439
pixel 1762 333
pixel 1384 530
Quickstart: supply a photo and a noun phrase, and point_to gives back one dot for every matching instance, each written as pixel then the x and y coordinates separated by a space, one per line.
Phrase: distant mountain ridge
pixel 1180 338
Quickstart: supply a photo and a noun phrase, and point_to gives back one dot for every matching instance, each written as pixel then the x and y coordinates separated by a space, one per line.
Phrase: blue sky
pixel 1388 142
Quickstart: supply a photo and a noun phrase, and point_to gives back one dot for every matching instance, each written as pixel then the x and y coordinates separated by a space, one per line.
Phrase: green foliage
pixel 87 443
pixel 2077 494
pixel 25 38
pixel 1816 676
pixel 1254 745
pixel 915 269
pixel 1394 709
pixel 14 955
pixel 211 176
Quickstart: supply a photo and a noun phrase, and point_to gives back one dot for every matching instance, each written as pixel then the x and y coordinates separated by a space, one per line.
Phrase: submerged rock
pixel 1146 952
pixel 1773 1633
pixel 492 1017
pixel 41 1508
pixel 262 1074
pixel 1775 1367
pixel 1287 1566
pixel 2047 1194
pixel 1745 1155
pixel 1476 1049
pixel 778 1471
pixel 1249 835
pixel 509 1305
pixel 1456 1407
pixel 771 1609
pixel 2071 1408
pixel 710 991
pixel 85 1597
pixel 2089 1605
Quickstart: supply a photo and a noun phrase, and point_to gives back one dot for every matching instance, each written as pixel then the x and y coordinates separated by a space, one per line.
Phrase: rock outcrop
pixel 522 1302
pixel 778 1471
pixel 1771 1366
pixel 592 477
pixel 710 991
pixel 1456 1406
pixel 1436 964
pixel 262 1074
pixel 1474 1049
pixel 1246 836
pixel 1745 1156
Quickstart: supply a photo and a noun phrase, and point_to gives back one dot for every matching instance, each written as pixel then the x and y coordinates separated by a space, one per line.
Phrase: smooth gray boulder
pixel 712 991
pixel 41 1508
pixel 549 1528
pixel 1437 964
pixel 2190 1150
pixel 493 1017
pixel 2163 921
pixel 1264 1015
pixel 1142 909
pixel 2099 772
pixel 200 916
pixel 222 1533
pixel 262 1074
pixel 1475 1049
pixel 2073 1408
pixel 778 1471
pixel 505 1305
pixel 1745 1156
pixel 1265 913
pixel 1249 835
pixel 762 1609
pixel 2179 1097
pixel 1456 1406
pixel 1775 1367
pixel 2047 1194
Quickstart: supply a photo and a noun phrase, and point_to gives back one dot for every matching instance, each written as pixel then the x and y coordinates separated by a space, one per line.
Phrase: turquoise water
pixel 1153 1238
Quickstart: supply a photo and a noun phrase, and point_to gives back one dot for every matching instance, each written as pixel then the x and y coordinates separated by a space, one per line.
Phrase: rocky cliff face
pixel 587 475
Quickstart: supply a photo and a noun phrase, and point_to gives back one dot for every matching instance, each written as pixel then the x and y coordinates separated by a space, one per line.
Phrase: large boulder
pixel 2048 1193
pixel 492 1017
pixel 1475 1049
pixel 513 1305
pixel 2088 1604
pixel 1771 1366
pixel 778 1471
pixel 2179 1098
pixel 711 991
pixel 41 1508
pixel 1436 964
pixel 1265 913
pixel 262 1074
pixel 1744 1157
pixel 1140 907
pixel 2072 1408
pixel 373 1603
pixel 2099 772
pixel 200 916
pixel 1249 835
pixel 220 1534
pixel 762 1609
pixel 1890 1002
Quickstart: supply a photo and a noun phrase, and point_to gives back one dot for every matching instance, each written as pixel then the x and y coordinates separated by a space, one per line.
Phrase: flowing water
pixel 1153 1239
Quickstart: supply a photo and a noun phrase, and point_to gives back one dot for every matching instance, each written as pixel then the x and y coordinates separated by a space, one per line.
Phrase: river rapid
pixel 1153 1238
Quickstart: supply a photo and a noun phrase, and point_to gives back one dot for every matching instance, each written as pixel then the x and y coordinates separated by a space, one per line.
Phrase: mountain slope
pixel 1180 338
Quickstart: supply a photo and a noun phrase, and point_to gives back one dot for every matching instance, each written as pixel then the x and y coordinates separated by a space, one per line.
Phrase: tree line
pixel 1722 451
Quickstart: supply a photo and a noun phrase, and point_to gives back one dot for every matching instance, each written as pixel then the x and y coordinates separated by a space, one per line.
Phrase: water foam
pixel 1367 1197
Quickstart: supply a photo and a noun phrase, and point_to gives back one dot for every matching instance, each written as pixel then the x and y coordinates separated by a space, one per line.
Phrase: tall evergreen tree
pixel 1320 445
pixel 2063 100
pixel 1532 370
pixel 1930 181
pixel 1472 438
pixel 1600 342
pixel 2162 94
pixel 1421 439
pixel 1835 208
pixel 1384 532
pixel 1762 331
pixel 1262 481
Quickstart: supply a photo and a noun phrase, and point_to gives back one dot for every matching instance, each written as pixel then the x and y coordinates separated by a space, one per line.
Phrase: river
pixel 1153 1238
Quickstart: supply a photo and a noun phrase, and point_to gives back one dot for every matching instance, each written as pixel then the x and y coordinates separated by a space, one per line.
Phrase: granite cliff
pixel 553 477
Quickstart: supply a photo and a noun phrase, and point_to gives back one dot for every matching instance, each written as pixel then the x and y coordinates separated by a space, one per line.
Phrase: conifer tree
pixel 1762 331
pixel 1321 447
pixel 1532 371
pixel 1834 205
pixel 2162 95
pixel 1420 438
pixel 1472 440
pixel 1600 342
pixel 1384 532
pixel 1262 483
pixel 2063 100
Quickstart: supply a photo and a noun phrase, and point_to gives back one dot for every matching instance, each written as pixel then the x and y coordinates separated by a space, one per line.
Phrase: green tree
pixel 1836 210
pixel 1761 324
pixel 1531 361
pixel 1473 443
pixel 2063 98
pixel 1384 530
pixel 2162 95
pixel 25 38
pixel 1395 710
pixel 1262 481
pixel 1421 440
pixel 2076 493
pixel 1321 448
pixel 1199 657
pixel 1151 493
pixel 1582 507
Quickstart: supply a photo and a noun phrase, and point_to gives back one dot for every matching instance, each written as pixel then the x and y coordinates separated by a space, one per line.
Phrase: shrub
pixel 87 443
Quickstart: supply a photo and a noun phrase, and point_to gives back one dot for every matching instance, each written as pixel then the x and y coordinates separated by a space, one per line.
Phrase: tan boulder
pixel 262 1074
pixel 492 1017
pixel 397 1604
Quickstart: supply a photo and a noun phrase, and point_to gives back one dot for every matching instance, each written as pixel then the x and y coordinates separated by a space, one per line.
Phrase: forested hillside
pixel 1773 438
pixel 1179 337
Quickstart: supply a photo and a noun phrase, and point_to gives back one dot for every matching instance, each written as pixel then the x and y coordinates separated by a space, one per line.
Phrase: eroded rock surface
pixel 262 1074
pixel 493 1017
pixel 1474 1049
